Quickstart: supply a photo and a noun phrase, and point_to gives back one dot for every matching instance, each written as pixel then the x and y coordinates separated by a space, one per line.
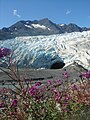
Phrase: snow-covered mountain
pixel 44 51
pixel 38 27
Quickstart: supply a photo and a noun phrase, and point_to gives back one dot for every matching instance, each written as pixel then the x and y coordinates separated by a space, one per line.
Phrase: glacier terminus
pixel 44 51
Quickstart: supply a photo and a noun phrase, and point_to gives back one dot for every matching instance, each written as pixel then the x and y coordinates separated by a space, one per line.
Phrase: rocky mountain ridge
pixel 38 27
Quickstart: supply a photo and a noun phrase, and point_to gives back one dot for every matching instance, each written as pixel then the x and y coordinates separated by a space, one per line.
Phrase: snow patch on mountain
pixel 28 26
pixel 27 22
pixel 62 24
pixel 43 51
pixel 39 26
pixel 15 28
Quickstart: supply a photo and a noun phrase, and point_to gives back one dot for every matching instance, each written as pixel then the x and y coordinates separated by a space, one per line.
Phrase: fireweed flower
pixel 1 54
pixel 87 74
pixel 49 82
pixel 68 97
pixel 33 90
pixel 1 105
pixel 38 83
pixel 54 90
pixel 14 102
pixel 58 82
pixel 75 87
pixel 4 52
pixel 66 75
pixel 57 96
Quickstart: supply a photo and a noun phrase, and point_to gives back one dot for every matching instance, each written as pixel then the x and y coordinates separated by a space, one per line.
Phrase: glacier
pixel 42 51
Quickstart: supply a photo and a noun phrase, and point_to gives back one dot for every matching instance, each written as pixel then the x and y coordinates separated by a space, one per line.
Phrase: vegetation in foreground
pixel 54 100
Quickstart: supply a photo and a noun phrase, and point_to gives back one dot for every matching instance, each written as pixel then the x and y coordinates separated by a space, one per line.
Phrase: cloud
pixel 15 13
pixel 68 12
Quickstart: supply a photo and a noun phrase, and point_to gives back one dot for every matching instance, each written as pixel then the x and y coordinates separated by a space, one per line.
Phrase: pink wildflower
pixel 59 82
pixel 87 74
pixel 49 82
pixel 75 87
pixel 14 102
pixel 57 95
pixel 4 52
pixel 38 83
pixel 68 97
pixel 1 105
pixel 33 90
pixel 66 75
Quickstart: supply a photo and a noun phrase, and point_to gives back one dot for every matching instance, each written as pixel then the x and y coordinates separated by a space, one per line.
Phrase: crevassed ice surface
pixel 43 51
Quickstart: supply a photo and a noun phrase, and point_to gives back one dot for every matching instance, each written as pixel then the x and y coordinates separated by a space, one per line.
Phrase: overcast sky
pixel 58 11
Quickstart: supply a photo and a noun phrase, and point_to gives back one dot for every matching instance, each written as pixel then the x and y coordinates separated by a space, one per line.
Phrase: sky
pixel 58 11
